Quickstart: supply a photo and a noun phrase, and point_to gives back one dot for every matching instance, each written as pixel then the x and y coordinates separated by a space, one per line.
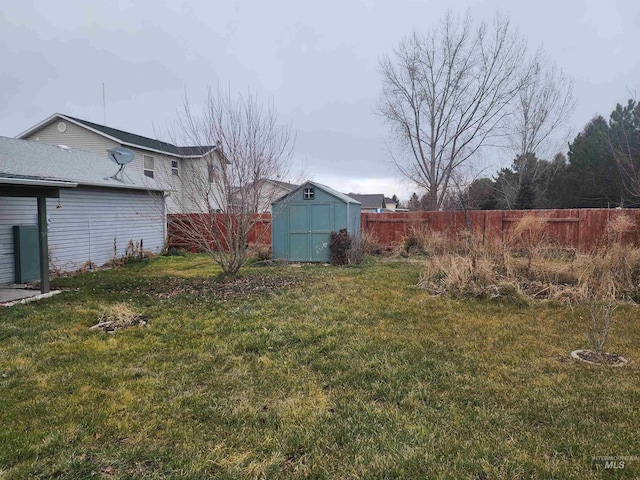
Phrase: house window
pixel 148 166
pixel 210 172
pixel 308 193
pixel 174 167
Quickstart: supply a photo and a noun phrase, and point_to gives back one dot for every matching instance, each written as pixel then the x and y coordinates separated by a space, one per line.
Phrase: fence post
pixel 484 228
pixel 580 223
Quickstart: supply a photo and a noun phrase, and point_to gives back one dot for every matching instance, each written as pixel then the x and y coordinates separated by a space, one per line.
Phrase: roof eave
pixel 325 188
pixel 122 185
pixel 32 182
pixel 68 119
pixel 50 119
pixel 44 122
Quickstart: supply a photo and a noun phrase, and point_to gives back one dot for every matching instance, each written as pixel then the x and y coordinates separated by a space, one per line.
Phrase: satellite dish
pixel 121 155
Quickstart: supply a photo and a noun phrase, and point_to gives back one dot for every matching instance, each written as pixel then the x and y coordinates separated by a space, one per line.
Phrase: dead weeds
pixel 118 316
pixel 528 267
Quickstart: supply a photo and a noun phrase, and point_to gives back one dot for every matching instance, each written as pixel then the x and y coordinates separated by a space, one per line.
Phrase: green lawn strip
pixel 318 372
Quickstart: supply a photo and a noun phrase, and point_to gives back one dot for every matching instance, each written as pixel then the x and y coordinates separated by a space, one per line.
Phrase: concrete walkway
pixel 12 294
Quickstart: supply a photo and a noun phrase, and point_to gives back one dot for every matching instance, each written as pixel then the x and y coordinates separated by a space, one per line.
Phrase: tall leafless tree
pixel 624 142
pixel 542 108
pixel 445 95
pixel 225 190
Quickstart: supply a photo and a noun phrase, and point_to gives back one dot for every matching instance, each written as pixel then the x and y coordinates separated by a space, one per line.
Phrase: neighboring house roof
pixel 283 185
pixel 389 201
pixel 33 163
pixel 329 190
pixel 126 138
pixel 276 183
pixel 373 200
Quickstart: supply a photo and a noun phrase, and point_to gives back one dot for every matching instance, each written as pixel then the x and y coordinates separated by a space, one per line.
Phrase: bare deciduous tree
pixel 445 95
pixel 624 142
pixel 225 190
pixel 601 307
pixel 542 108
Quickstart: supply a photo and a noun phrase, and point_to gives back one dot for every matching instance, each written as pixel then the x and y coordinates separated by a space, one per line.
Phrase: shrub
pixel 618 226
pixel 601 307
pixel 260 253
pixel 173 252
pixel 421 240
pixel 528 236
pixel 464 276
pixel 618 264
pixel 340 247
pixel 134 252
pixel 368 244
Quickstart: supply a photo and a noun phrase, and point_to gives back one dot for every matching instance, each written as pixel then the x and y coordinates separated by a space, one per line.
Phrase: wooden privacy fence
pixel 193 231
pixel 581 229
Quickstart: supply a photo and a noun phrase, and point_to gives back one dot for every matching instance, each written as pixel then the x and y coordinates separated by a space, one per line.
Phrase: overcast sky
pixel 316 60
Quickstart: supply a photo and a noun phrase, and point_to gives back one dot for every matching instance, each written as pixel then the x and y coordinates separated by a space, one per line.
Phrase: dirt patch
pixel 599 358
pixel 224 290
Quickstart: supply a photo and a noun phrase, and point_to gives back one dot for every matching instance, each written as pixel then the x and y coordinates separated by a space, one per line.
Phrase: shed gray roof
pixel 283 185
pixel 24 160
pixel 127 138
pixel 329 190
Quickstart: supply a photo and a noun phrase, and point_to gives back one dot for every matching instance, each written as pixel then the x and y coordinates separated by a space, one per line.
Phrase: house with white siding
pixel 263 193
pixel 170 166
pixel 86 214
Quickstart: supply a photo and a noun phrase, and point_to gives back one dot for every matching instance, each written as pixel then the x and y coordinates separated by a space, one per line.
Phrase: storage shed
pixel 67 209
pixel 303 220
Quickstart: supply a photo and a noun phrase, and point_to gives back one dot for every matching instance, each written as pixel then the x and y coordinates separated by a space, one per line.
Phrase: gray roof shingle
pixel 37 161
pixel 369 200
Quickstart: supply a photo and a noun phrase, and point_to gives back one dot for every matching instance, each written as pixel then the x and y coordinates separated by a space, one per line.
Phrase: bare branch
pixel 445 95
pixel 225 190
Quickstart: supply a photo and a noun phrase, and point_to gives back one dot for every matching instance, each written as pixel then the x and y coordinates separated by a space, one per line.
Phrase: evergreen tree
pixel 592 177
pixel 624 140
pixel 526 197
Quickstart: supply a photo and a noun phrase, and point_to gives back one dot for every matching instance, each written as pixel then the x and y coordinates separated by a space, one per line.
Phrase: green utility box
pixel 26 248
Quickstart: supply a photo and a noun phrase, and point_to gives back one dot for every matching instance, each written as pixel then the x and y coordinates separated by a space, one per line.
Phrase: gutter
pixel 37 183
pixel 69 184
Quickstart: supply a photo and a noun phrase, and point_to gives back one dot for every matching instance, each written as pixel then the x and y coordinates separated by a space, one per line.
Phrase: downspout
pixel 89 225
pixel 165 229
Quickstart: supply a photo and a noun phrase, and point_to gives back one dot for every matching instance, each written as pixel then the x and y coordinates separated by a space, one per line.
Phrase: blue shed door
pixel 299 233
pixel 309 232
pixel 320 232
